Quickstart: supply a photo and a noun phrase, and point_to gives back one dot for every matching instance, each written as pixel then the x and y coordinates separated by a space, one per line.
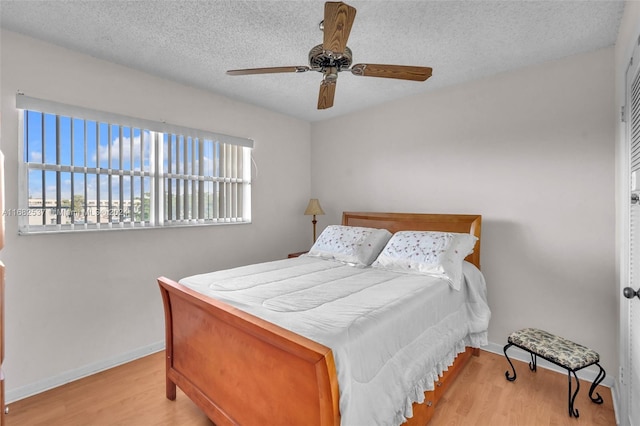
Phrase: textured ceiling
pixel 195 42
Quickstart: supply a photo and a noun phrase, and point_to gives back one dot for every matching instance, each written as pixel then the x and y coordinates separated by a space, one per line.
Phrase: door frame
pixel 623 203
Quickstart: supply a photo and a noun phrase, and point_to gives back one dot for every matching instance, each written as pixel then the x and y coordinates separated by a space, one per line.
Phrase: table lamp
pixel 314 209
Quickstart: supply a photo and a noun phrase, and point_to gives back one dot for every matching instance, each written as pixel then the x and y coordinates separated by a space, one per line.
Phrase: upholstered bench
pixel 561 352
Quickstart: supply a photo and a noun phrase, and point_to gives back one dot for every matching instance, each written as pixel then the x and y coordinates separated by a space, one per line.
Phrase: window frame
pixel 230 185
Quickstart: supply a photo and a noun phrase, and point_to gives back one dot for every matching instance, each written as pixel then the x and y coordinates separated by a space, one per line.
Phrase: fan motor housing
pixel 319 60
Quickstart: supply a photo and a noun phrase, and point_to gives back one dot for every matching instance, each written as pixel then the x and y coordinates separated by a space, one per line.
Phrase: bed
pixel 241 368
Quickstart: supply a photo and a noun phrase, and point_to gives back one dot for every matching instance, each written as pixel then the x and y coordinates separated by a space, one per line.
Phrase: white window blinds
pixel 85 169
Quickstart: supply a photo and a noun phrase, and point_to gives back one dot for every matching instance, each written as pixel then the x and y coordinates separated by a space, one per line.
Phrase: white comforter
pixel 391 334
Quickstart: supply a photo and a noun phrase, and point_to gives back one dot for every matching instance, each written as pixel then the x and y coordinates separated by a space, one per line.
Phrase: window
pixel 89 170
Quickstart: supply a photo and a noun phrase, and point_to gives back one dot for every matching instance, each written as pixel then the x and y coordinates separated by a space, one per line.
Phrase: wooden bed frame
pixel 242 370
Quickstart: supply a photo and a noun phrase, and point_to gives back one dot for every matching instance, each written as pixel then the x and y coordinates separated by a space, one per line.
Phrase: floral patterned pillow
pixel 428 252
pixel 351 244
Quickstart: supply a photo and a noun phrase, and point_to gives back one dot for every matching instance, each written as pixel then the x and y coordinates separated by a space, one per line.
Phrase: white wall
pixel 533 152
pixel 79 302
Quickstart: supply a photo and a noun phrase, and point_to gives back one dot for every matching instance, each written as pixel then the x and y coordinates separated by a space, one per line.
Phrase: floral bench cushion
pixel 554 348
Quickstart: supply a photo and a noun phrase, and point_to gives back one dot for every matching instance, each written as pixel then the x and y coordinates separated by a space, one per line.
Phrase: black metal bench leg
pixel 533 365
pixel 506 373
pixel 572 398
pixel 599 378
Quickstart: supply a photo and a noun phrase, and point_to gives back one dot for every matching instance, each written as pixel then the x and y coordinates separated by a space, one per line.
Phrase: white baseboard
pixel 588 374
pixel 22 392
pixel 616 400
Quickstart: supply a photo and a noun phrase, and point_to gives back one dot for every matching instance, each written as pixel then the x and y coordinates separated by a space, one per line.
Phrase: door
pixel 630 305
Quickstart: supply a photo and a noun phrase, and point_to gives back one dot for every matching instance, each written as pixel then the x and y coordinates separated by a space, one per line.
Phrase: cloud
pixel 35 157
pixel 103 152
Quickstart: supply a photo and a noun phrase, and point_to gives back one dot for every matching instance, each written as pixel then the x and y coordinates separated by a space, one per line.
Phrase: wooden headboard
pixel 463 223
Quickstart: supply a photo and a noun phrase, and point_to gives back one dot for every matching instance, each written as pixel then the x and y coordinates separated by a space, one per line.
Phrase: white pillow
pixel 428 252
pixel 351 244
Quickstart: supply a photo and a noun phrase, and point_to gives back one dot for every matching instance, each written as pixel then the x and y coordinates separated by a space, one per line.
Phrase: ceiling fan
pixel 333 56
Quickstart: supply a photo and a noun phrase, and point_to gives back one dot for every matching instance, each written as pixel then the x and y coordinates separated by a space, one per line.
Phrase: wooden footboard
pixel 240 369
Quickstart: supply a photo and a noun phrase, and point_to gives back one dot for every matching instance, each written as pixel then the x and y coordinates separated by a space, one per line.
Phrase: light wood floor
pixel 133 394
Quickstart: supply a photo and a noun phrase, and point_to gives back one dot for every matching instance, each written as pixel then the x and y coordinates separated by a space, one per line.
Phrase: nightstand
pixel 296 254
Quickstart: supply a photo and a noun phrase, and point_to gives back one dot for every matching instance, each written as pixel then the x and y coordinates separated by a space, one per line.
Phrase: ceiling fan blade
pixel 327 93
pixel 271 70
pixel 402 72
pixel 338 20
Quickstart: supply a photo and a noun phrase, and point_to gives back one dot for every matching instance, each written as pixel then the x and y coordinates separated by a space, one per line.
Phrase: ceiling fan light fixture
pixel 319 59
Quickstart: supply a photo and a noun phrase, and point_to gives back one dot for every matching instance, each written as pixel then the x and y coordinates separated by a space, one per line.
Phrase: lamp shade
pixel 314 207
